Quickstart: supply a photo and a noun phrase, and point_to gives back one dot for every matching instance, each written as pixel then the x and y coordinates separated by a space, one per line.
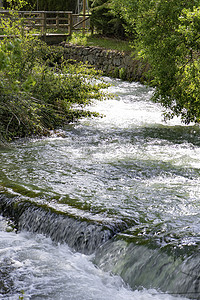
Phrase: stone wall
pixel 110 62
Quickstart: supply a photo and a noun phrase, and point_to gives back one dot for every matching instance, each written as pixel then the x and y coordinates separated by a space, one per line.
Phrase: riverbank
pixel 113 63
pixel 35 96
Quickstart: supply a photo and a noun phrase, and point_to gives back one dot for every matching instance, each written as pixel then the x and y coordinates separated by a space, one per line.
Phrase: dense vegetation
pixel 52 5
pixel 167 35
pixel 37 94
pixel 105 20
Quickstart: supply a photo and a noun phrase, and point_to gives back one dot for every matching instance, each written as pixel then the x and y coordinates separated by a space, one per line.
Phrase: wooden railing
pixel 49 22
pixel 80 22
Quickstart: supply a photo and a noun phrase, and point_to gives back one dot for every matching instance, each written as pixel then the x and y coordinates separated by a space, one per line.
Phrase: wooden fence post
pixel 57 21
pixel 84 12
pixel 44 17
pixel 70 23
pixel 22 24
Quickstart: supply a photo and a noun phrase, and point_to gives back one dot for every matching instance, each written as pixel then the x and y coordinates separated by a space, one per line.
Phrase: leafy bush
pixel 36 93
pixel 167 37
pixel 78 38
pixel 51 5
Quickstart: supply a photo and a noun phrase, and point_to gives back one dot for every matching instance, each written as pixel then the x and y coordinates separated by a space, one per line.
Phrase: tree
pixel 105 20
pixel 167 36
pixel 51 5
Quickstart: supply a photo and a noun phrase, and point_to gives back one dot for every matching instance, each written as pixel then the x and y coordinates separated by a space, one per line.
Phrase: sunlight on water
pixel 130 108
pixel 120 114
pixel 128 166
pixel 43 270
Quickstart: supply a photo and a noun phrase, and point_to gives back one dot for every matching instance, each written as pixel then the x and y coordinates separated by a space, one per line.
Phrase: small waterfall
pixel 151 267
pixel 108 211
pixel 138 265
pixel 81 234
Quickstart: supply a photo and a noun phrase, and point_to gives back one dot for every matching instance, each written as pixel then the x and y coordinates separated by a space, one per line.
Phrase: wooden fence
pixel 49 22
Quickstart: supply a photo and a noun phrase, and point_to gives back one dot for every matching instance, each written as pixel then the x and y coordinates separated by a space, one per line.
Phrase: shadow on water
pixel 163 133
pixel 173 134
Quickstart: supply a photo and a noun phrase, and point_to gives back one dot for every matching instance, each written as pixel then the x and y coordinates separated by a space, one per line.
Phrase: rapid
pixel 107 209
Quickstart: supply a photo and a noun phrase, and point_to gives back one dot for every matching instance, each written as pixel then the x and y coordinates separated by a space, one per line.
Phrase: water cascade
pixel 109 209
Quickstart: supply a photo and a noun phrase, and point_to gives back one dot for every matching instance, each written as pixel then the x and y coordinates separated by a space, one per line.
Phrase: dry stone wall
pixel 110 62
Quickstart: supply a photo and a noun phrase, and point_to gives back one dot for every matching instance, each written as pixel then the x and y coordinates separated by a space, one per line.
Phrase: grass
pixel 93 40
pixel 109 43
pixel 78 38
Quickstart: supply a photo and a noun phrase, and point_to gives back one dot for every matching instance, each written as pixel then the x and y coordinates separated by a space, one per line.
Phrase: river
pixel 107 209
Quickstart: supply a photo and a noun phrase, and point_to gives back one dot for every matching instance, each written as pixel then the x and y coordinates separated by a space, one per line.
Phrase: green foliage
pixel 122 9
pixel 105 20
pixel 167 36
pixel 37 94
pixel 87 39
pixel 108 43
pixel 17 5
pixel 21 297
pixel 78 38
pixel 122 73
pixel 51 5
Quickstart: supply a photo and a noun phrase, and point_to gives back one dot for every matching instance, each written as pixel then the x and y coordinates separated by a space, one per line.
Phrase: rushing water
pixel 117 199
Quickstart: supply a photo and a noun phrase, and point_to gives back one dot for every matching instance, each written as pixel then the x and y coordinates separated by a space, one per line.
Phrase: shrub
pixel 36 93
